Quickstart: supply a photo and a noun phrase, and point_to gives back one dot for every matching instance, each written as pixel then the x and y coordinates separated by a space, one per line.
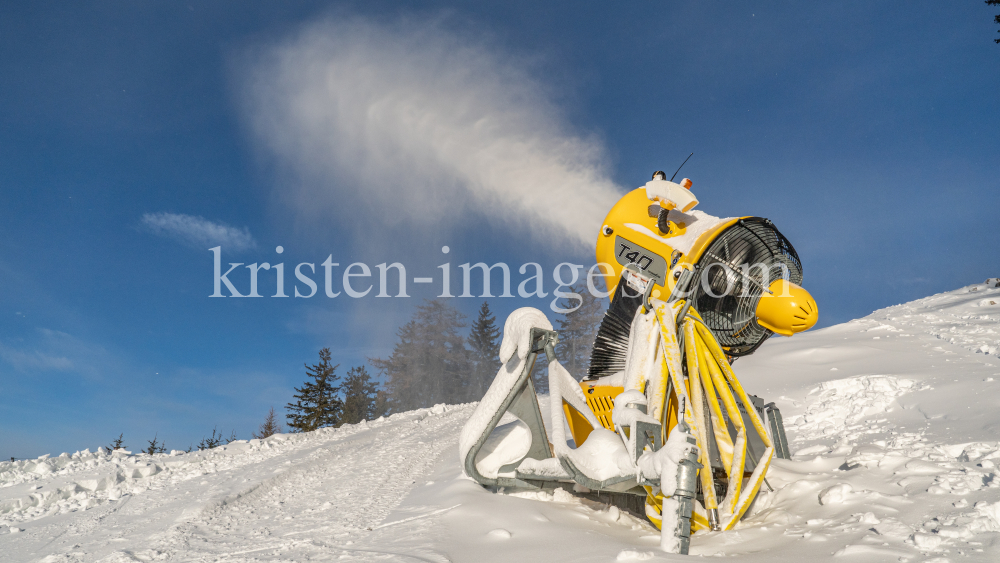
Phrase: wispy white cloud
pixel 424 125
pixel 31 360
pixel 53 350
pixel 198 232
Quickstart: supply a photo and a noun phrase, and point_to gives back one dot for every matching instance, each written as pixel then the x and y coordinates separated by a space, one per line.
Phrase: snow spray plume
pixel 413 123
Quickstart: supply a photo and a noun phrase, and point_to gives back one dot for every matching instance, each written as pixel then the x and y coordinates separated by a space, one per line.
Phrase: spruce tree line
pixel 324 401
pixel 431 362
pixel 157 446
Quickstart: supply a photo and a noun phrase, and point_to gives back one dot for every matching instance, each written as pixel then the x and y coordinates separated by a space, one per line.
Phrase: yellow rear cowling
pixel 601 401
pixel 631 235
pixel 788 309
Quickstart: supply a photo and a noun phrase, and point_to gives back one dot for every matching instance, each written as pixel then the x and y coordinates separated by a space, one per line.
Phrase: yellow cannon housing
pixel 745 273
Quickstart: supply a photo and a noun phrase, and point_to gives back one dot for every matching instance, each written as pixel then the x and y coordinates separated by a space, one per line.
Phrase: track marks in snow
pixel 318 495
pixel 340 492
pixel 837 406
pixel 889 494
pixel 968 317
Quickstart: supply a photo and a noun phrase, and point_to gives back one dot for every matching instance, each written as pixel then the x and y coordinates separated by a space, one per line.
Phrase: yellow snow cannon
pixel 750 272
pixel 660 426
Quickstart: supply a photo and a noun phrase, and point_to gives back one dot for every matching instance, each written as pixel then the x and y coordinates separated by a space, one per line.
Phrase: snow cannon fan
pixel 691 292
pixel 740 274
pixel 737 273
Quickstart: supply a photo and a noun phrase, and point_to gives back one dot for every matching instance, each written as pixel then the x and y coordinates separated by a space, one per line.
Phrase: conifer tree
pixel 997 18
pixel 212 441
pixel 383 404
pixel 429 363
pixel 316 403
pixel 578 330
pixel 118 444
pixel 360 395
pixel 155 447
pixel 484 344
pixel 269 428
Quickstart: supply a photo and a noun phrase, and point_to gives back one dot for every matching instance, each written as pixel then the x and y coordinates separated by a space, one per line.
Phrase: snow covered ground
pixel 894 421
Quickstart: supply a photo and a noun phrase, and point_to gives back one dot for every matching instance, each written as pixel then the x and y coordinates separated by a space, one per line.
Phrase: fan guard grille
pixel 732 279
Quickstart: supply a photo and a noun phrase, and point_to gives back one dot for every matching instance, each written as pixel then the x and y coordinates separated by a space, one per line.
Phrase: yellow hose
pixel 711 380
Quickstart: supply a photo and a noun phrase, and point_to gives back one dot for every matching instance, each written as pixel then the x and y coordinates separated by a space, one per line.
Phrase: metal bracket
pixel 777 427
pixel 646 434
pixel 635 271
pixel 522 403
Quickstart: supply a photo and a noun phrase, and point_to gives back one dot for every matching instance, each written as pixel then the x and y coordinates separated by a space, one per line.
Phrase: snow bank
pixel 966 317
pixel 846 401
pixel 47 486
pixel 508 443
pixel 602 456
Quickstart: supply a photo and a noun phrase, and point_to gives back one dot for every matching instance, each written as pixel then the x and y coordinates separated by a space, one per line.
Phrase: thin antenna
pixel 681 166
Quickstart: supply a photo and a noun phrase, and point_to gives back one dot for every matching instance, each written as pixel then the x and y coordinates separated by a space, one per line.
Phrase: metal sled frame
pixel 522 403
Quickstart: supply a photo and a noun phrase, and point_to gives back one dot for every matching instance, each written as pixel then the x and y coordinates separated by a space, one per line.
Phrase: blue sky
pixel 867 131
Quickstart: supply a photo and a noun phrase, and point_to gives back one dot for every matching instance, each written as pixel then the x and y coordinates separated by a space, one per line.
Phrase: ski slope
pixel 893 419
